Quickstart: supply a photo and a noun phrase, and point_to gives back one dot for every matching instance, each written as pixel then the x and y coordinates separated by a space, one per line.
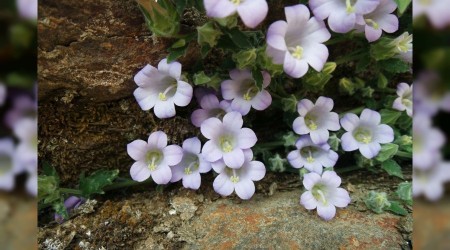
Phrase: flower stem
pixel 70 191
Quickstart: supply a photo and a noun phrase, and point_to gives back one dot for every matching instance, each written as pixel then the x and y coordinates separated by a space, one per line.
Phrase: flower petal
pixel 192 181
pixel 219 8
pixel 329 159
pixel 340 198
pixel 372 34
pixel 300 127
pixel 350 121
pixel 370 117
pixel 262 100
pixel 245 189
pixel 253 12
pixel 223 185
pixel 348 142
pixel 341 22
pixel 165 109
pixel 173 69
pixel 293 67
pixel 383 134
pixel 370 150
pixel 389 23
pixel 173 154
pixel 310 179
pixel 304 106
pixel 297 14
pixel 295 159
pixel 157 139
pixel 139 171
pixel 177 173
pixel 247 138
pixel 209 101
pixel 204 166
pixel 316 55
pixel 320 136
pixel 211 128
pixel 234 159
pixel 276 34
pixel 308 201
pixel 146 98
pixel 199 116
pixel 256 170
pixel 218 166
pixel 276 55
pixel 240 105
pixel 211 152
pixel 229 89
pixel 183 96
pixel 326 212
pixel 331 179
pixel 137 149
pixel 162 174
pixel 192 145
pixel 325 103
pixel 233 121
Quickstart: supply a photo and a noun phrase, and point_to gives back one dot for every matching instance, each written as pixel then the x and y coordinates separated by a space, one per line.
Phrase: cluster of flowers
pixel 228 149
pixel 296 44
pixel 430 170
pixel 16 158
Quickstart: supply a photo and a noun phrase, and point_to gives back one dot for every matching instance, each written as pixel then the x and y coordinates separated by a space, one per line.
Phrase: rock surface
pixel 177 218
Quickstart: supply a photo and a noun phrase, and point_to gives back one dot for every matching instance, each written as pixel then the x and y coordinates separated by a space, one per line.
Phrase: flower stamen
pixel 225 144
pixel 236 2
pixel 297 52
pixel 162 95
pixel 372 23
pixel 234 178
pixel 310 159
pixel 350 8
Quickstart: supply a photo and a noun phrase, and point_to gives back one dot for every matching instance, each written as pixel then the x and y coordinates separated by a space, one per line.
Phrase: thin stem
pixel 70 191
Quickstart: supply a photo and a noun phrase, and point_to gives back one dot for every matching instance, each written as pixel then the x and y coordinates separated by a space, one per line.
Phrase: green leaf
pixel 208 34
pixel 48 189
pixel 377 201
pixel 402 5
pixel 259 79
pixel 205 50
pixel 394 65
pixel 201 78
pixel 174 54
pixel 95 183
pixel 178 44
pixel 389 116
pixel 392 168
pixel 404 192
pixel 396 208
pixel 382 81
pixel 387 152
pixel 238 37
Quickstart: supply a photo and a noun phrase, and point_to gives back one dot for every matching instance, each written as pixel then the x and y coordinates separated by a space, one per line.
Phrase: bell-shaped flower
pixel 365 133
pixel 153 158
pixel 227 139
pixel 342 14
pixel 435 10
pixel 430 94
pixel 191 165
pixel 311 156
pixel 323 192
pixel 379 20
pixel 427 142
pixel 8 164
pixel 244 93
pixel 28 9
pixel 239 179
pixel 162 88
pixel 404 47
pixel 70 204
pixel 430 182
pixel 210 107
pixel 26 131
pixel 316 119
pixel 252 12
pixel 404 100
pixel 23 106
pixel 298 42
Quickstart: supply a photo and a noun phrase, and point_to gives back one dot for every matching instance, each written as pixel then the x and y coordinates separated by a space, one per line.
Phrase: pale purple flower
pixel 365 133
pixel 342 14
pixel 28 9
pixel 316 119
pixel 32 184
pixel 2 94
pixel 252 12
pixel 379 20
pixel 26 131
pixel 430 94
pixel 430 182
pixel 313 157
pixel 23 106
pixel 240 179
pixel 191 165
pixel 427 142
pixel 323 192
pixel 227 139
pixel 200 92
pixel 297 43
pixel 244 93
pixel 162 88
pixel 71 203
pixel 8 164
pixel 210 107
pixel 153 158
pixel 404 100
pixel 436 11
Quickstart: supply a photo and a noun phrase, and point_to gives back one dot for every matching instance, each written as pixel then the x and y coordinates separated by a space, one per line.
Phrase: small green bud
pixel 208 34
pixel 346 86
pixel 302 172
pixel 363 162
pixel 277 164
pixel 289 139
pixel 245 59
pixel 289 103
pixel 377 202
pixel 316 81
pixel 161 17
pixel 387 48
pixel 382 81
pixel 367 92
pixel 329 67
pixel 406 140
pixel 21 36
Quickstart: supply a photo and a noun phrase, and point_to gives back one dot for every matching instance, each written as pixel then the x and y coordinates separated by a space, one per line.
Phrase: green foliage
pixel 402 5
pixel 277 164
pixel 392 168
pixel 208 34
pixel 259 79
pixel 201 78
pixel 289 104
pixel 389 116
pixel 48 185
pixel 161 17
pixel 382 81
pixel 228 22
pixel 334 142
pixel 245 59
pixel 387 152
pixel 238 38
pixel 383 49
pixel 95 183
pixel 349 86
pixel 394 65
pixel 377 202
pixel 396 208
pixel 265 62
pixel 404 192
pixel 289 139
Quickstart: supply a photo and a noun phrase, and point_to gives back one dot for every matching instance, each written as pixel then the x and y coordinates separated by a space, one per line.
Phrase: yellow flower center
pixel 372 23
pixel 363 135
pixel 298 52
pixel 163 95
pixel 226 145
pixel 236 2
pixel 194 165
pixel 350 7
pixel 152 159
pixel 310 121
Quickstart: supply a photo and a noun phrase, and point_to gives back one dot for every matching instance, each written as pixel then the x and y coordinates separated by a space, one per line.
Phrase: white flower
pixel 8 164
